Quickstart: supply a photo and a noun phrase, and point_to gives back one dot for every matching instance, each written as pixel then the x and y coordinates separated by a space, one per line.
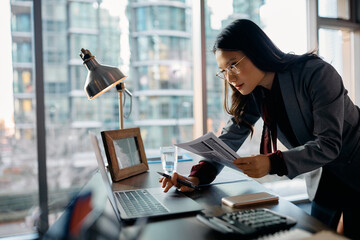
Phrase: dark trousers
pixel 351 219
pixel 333 198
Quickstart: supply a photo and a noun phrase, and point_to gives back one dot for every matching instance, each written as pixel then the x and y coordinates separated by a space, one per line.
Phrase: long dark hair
pixel 244 35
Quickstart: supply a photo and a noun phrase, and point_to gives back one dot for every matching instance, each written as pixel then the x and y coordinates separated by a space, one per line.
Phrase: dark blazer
pixel 323 118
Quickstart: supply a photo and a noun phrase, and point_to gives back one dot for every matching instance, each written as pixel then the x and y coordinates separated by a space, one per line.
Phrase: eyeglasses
pixel 230 70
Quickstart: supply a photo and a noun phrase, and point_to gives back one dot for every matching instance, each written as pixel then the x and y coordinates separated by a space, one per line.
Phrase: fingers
pixel 243 160
pixel 174 179
pixel 254 173
pixel 167 184
pixel 180 187
pixel 254 166
pixel 185 189
pixel 243 163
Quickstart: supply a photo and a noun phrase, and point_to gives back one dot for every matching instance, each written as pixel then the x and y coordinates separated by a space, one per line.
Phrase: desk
pixel 186 226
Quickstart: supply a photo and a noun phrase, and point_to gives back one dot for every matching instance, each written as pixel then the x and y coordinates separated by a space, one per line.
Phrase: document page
pixel 211 147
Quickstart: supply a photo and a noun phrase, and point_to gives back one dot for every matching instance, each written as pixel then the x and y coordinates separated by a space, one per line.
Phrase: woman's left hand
pixel 254 166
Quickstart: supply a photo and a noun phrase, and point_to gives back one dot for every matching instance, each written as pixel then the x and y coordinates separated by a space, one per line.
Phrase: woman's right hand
pixel 168 183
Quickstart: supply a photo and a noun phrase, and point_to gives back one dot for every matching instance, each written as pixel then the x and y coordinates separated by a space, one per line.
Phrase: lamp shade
pixel 100 78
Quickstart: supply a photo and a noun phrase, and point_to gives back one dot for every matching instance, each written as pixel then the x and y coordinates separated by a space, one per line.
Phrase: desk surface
pixel 184 226
pixel 187 226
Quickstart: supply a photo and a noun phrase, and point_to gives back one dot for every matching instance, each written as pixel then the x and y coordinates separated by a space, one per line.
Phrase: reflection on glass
pixel 127 152
pixel 334 9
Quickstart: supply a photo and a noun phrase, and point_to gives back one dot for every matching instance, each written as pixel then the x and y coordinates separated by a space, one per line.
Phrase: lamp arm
pixel 121 88
pixel 127 92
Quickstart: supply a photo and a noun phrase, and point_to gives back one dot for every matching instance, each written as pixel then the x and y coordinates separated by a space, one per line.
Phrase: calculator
pixel 250 223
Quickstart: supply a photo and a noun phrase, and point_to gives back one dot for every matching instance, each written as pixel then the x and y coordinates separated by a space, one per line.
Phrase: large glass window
pixel 158 18
pixel 83 14
pixel 19 205
pixel 151 42
pixel 23 80
pixel 335 47
pixel 21 22
pixel 82 40
pixel 170 107
pixel 22 50
pixel 157 47
pixel 338 44
pixel 334 8
pixel 169 135
pixel 161 70
pixel 156 77
pixel 289 36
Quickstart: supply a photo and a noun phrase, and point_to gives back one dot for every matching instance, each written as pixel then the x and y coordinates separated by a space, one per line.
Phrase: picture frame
pixel 125 153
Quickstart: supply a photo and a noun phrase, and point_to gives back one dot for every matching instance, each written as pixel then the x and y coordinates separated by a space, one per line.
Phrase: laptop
pixel 146 202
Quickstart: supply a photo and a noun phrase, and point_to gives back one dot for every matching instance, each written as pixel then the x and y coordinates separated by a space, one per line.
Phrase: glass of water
pixel 169 159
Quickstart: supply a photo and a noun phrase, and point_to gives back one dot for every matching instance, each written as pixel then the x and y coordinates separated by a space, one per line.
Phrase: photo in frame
pixel 125 153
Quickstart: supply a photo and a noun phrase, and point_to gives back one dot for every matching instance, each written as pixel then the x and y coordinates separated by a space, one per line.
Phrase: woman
pixel 304 104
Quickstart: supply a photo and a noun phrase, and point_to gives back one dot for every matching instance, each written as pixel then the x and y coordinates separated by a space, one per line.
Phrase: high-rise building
pixel 161 71
pixel 67 26
pixel 248 9
pixel 160 79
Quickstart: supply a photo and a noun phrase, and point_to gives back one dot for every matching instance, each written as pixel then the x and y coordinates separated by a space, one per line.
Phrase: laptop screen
pixel 103 172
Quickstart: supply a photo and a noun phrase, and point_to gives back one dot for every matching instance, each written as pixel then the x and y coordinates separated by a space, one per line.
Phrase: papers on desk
pixel 211 147
pixel 292 234
pixel 228 175
pixel 297 234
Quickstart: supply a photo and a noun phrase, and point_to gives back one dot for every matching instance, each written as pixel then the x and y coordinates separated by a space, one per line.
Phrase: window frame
pixel 40 117
pixel 199 62
pixel 315 23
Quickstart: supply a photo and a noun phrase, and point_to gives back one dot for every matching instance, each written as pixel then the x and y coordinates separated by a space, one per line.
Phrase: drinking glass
pixel 169 159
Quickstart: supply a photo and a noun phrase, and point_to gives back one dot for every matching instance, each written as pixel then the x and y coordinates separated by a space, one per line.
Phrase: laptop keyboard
pixel 140 203
pixel 253 222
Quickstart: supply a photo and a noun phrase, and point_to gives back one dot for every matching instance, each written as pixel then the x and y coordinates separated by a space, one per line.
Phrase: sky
pixel 217 16
pixel 118 8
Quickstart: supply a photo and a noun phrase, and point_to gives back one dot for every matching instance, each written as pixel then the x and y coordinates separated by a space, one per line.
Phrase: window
pixel 19 201
pixel 334 8
pixel 83 15
pixel 152 43
pixel 157 17
pixel 338 40
pixel 289 36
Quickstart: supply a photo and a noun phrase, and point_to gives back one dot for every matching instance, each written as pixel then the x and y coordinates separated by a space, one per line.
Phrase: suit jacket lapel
pixel 293 107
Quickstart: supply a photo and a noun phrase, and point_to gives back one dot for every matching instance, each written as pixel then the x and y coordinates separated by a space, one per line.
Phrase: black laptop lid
pixel 104 175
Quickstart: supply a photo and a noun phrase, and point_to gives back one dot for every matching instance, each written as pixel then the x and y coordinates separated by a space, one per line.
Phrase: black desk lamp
pixel 102 78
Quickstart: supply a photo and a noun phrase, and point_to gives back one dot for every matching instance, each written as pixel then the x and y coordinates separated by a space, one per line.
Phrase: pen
pixel 182 182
